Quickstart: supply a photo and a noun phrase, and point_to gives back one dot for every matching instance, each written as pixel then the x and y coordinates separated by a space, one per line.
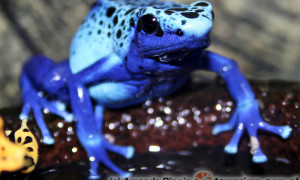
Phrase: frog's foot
pixel 247 116
pixel 97 152
pixel 37 103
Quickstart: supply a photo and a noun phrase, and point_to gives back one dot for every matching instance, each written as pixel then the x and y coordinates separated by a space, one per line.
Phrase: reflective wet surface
pixel 182 163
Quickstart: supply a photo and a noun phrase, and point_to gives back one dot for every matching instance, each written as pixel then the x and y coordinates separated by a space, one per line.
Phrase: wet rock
pixel 173 134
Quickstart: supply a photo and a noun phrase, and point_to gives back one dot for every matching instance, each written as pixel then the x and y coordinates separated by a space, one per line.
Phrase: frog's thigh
pixel 111 92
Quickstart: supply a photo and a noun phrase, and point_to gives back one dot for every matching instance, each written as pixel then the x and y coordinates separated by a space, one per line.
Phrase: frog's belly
pixel 113 94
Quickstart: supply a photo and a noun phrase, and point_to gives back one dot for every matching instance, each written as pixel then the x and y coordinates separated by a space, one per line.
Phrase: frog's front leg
pixel 89 120
pixel 247 115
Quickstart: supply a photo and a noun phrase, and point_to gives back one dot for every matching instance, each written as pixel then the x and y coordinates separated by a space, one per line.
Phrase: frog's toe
pixel 58 109
pixel 94 176
pixel 219 128
pixel 259 157
pixel 103 158
pixel 25 111
pixel 231 148
pixel 37 111
pixel 126 151
pixel 130 152
pixel 94 168
pixel 48 140
pixel 126 175
pixel 68 117
pixel 283 131
pixel 287 130
pixel 59 105
pixel 23 116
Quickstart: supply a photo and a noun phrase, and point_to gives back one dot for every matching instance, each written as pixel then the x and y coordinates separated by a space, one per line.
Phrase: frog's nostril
pixel 179 32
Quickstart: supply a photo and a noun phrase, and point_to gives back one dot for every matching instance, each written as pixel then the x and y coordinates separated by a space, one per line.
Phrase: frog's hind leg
pixel 39 75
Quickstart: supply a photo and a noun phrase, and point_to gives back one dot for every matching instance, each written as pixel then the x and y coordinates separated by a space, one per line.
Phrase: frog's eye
pixel 149 24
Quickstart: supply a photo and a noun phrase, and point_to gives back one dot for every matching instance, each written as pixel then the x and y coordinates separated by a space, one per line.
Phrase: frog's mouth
pixel 176 57
pixel 177 54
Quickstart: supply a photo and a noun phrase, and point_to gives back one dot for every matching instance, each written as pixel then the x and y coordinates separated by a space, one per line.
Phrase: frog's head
pixel 169 34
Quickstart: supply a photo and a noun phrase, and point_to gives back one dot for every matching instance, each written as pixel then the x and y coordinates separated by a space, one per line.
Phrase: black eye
pixel 149 24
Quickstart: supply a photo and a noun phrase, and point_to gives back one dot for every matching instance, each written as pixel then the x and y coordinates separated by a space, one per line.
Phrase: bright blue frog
pixel 124 53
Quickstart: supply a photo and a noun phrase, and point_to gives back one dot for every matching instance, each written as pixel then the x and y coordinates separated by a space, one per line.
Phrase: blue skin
pixel 124 56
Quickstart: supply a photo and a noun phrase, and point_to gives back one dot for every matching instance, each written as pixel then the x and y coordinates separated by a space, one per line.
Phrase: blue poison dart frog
pixel 128 51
